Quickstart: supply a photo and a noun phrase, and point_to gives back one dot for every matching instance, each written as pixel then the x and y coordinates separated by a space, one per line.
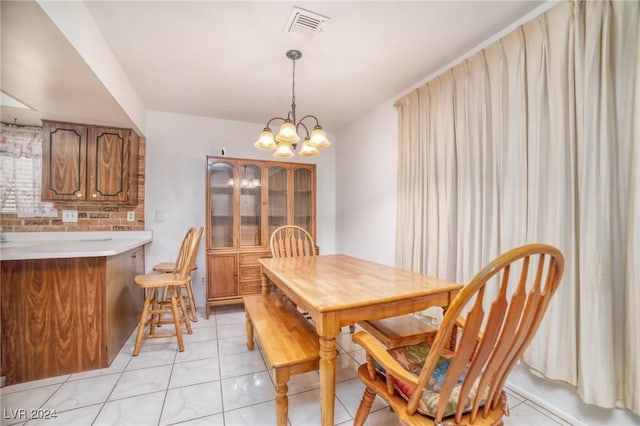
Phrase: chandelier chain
pixel 293 92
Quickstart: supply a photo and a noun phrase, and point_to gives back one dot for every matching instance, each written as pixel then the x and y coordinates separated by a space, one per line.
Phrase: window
pixel 21 169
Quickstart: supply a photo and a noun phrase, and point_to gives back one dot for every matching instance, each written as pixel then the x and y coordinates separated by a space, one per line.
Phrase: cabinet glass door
pixel 277 197
pixel 303 198
pixel 221 183
pixel 250 204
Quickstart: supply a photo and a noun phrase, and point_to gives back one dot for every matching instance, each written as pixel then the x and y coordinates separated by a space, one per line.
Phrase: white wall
pixel 175 181
pixel 366 186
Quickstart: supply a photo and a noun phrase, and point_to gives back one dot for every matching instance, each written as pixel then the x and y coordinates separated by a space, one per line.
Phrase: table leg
pixel 327 379
pixel 453 341
pixel 264 281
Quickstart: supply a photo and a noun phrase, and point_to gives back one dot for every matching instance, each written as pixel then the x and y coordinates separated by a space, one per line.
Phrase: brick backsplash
pixel 91 217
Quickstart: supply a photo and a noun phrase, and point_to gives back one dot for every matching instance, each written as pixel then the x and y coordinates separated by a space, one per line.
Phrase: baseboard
pixel 562 400
pixel 567 417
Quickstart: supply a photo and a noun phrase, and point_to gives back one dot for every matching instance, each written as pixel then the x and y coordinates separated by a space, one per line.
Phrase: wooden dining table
pixel 340 290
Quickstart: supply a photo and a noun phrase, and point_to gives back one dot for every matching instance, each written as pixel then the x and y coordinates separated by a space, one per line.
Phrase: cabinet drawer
pixel 252 258
pixel 250 287
pixel 249 273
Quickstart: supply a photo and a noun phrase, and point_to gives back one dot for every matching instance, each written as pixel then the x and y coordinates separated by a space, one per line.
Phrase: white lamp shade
pixel 318 138
pixel 308 150
pixel 265 142
pixel 283 151
pixel 287 133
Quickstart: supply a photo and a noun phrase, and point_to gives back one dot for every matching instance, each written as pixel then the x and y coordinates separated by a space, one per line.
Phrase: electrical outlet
pixel 202 280
pixel 69 215
pixel 131 216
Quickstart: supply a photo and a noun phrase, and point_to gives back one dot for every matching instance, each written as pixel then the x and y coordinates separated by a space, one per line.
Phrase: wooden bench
pixel 288 341
pixel 400 331
pixel 404 330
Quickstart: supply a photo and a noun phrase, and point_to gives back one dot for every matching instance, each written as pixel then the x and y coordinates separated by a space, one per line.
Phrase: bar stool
pixel 170 267
pixel 164 296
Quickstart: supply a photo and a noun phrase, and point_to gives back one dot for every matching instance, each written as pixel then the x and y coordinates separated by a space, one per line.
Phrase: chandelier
pixel 287 139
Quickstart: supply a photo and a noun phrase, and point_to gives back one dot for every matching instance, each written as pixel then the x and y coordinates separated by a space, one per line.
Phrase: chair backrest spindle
pixel 292 241
pixel 491 344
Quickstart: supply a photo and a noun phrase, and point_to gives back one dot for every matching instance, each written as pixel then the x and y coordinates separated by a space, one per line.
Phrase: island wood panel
pixel 62 316
pixel 124 298
pixel 52 313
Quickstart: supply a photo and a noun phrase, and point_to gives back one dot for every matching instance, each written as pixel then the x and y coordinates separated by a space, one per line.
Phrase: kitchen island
pixel 68 300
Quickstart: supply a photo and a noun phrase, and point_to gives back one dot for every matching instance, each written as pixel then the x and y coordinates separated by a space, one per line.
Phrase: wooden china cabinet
pixel 246 201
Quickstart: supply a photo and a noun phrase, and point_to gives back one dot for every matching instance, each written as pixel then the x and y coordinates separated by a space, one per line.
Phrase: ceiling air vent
pixel 305 22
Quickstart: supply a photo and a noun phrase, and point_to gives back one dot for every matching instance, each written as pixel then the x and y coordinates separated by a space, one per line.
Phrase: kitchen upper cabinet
pixel 89 163
pixel 246 201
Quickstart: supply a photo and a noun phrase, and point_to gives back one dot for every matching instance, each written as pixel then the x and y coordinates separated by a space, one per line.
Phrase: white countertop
pixel 56 245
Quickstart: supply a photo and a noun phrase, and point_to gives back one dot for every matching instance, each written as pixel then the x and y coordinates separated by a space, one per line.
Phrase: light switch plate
pixel 69 215
pixel 131 216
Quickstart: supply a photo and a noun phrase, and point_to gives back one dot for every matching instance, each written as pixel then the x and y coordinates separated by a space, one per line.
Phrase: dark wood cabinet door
pixel 64 161
pixel 222 276
pixel 108 164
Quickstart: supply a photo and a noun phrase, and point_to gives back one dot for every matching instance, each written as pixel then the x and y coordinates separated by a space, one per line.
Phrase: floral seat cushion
pixel 412 358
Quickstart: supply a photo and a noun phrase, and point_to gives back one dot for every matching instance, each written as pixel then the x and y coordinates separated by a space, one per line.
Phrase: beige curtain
pixel 536 139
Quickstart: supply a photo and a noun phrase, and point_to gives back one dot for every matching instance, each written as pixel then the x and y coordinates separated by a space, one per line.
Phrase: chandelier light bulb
pixel 283 151
pixel 266 141
pixel 287 133
pixel 308 150
pixel 318 138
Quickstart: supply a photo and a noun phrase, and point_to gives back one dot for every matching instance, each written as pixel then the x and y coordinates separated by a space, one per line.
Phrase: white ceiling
pixel 227 59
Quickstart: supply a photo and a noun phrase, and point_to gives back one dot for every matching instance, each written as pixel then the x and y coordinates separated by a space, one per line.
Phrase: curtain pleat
pixel 631 363
pixel 536 139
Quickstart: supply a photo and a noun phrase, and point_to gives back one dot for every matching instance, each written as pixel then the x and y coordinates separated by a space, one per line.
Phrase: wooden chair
pixel 424 384
pixel 292 241
pixel 167 267
pixel 164 296
pixel 172 267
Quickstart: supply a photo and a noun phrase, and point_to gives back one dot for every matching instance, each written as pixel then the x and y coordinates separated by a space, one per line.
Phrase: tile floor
pixel 215 381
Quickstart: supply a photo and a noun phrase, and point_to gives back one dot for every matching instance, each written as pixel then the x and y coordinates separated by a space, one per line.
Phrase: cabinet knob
pixel 94 195
pixel 78 194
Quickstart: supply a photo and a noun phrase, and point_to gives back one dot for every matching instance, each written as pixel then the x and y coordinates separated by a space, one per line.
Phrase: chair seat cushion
pixel 412 358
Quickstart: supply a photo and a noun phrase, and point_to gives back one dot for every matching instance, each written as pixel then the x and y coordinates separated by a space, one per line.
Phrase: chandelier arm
pixel 310 116
pixel 274 118
pixel 306 129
